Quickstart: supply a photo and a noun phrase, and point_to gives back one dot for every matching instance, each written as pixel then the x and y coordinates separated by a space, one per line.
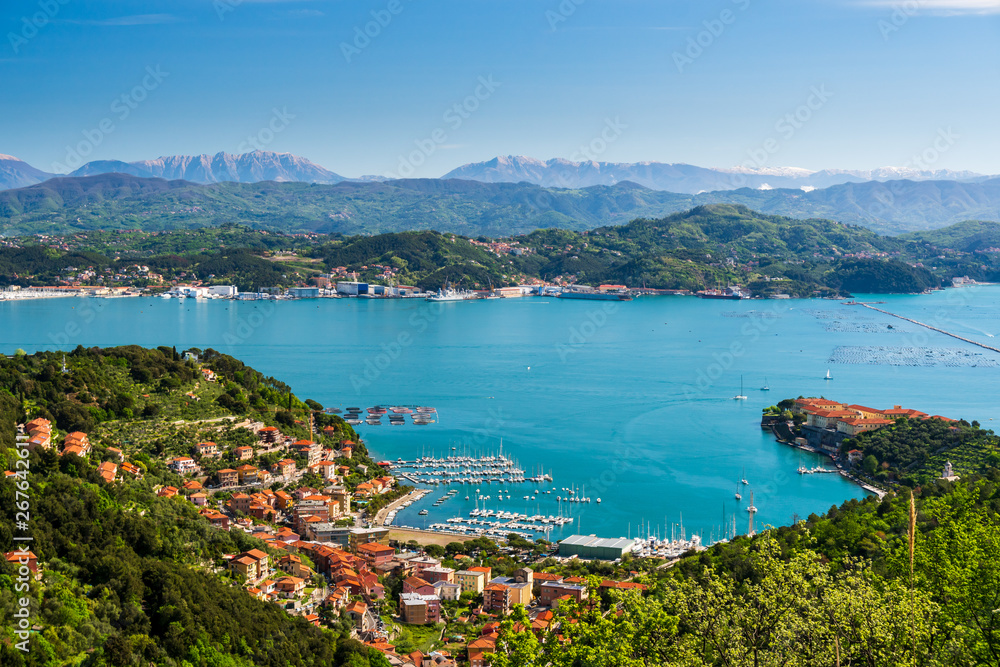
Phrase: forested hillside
pixel 121 201
pixel 702 248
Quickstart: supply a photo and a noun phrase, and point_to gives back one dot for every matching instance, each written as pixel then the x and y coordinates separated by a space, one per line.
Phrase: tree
pixel 434 550
pixel 870 464
pixel 517 645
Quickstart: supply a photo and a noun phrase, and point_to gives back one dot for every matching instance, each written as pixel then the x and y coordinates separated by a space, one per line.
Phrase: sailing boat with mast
pixel 765 387
pixel 828 376
pixel 738 495
pixel 740 396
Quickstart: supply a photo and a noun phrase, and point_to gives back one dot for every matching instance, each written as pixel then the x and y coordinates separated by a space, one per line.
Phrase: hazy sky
pixel 805 83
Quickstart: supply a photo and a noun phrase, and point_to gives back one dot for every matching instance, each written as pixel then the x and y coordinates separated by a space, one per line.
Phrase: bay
pixel 629 402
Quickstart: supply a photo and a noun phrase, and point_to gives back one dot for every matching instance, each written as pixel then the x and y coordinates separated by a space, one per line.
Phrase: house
pixel 246 566
pixel 200 498
pixel 447 590
pixel 435 574
pixel 551 590
pixel 248 474
pixel 417 609
pixel 307 449
pixel 167 492
pixel 107 471
pixel 325 469
pixel 496 598
pixel 240 502
pixel 479 648
pixel 418 585
pixel 228 478
pixel 855 456
pixel 243 453
pixel 182 465
pixel 518 589
pixel 131 469
pixel 216 518
pixel 37 424
pixel 25 558
pixel 363 619
pixel 293 565
pixel 74 443
pixel 383 484
pixel 116 454
pixel 284 468
pixel 422 563
pixel 610 584
pixel 374 553
pixel 340 500
pixel 282 500
pixel 206 449
pixel 40 439
pixel 260 568
pixel 471 580
pixel 289 587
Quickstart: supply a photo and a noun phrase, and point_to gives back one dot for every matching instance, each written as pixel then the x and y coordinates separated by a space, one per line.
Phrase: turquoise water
pixel 632 401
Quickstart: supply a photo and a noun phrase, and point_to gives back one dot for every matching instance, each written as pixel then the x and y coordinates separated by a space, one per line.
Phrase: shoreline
pixel 840 471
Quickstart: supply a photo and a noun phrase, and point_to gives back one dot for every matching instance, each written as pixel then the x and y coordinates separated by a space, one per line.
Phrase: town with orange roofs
pixel 313 514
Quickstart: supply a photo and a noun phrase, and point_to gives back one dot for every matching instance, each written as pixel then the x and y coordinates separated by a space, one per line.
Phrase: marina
pixel 662 434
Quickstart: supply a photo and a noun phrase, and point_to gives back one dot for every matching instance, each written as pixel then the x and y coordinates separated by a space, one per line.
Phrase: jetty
pixel 928 326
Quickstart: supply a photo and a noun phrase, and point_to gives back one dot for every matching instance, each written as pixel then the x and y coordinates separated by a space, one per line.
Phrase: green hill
pixel 120 201
pixel 968 236
pixel 705 247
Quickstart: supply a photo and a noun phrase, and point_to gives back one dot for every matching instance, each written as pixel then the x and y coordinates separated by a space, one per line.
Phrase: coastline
pixel 840 470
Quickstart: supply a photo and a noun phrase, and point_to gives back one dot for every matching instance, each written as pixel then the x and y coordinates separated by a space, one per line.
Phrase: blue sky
pixel 709 83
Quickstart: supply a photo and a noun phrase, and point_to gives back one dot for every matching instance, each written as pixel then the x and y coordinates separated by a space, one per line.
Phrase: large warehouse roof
pixel 593 541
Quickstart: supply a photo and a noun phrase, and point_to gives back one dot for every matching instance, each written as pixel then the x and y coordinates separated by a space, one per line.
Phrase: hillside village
pixel 310 507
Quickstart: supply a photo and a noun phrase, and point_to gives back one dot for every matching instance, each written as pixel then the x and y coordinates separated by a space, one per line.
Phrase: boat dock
pixel 463 470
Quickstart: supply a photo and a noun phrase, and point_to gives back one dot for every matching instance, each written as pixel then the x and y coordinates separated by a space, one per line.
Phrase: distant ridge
pixel 15 173
pixel 125 201
pixel 252 167
pixel 682 178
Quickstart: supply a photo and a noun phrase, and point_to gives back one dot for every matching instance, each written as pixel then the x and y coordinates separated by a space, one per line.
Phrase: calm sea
pixel 632 402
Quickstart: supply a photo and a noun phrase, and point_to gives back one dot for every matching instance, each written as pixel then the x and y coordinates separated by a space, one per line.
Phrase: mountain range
pixel 683 178
pixel 258 166
pixel 253 167
pixel 122 201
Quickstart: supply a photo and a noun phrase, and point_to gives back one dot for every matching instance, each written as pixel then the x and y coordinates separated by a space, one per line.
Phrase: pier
pixel 927 326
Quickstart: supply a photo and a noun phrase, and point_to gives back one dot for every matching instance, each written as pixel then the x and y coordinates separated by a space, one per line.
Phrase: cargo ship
pixel 595 295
